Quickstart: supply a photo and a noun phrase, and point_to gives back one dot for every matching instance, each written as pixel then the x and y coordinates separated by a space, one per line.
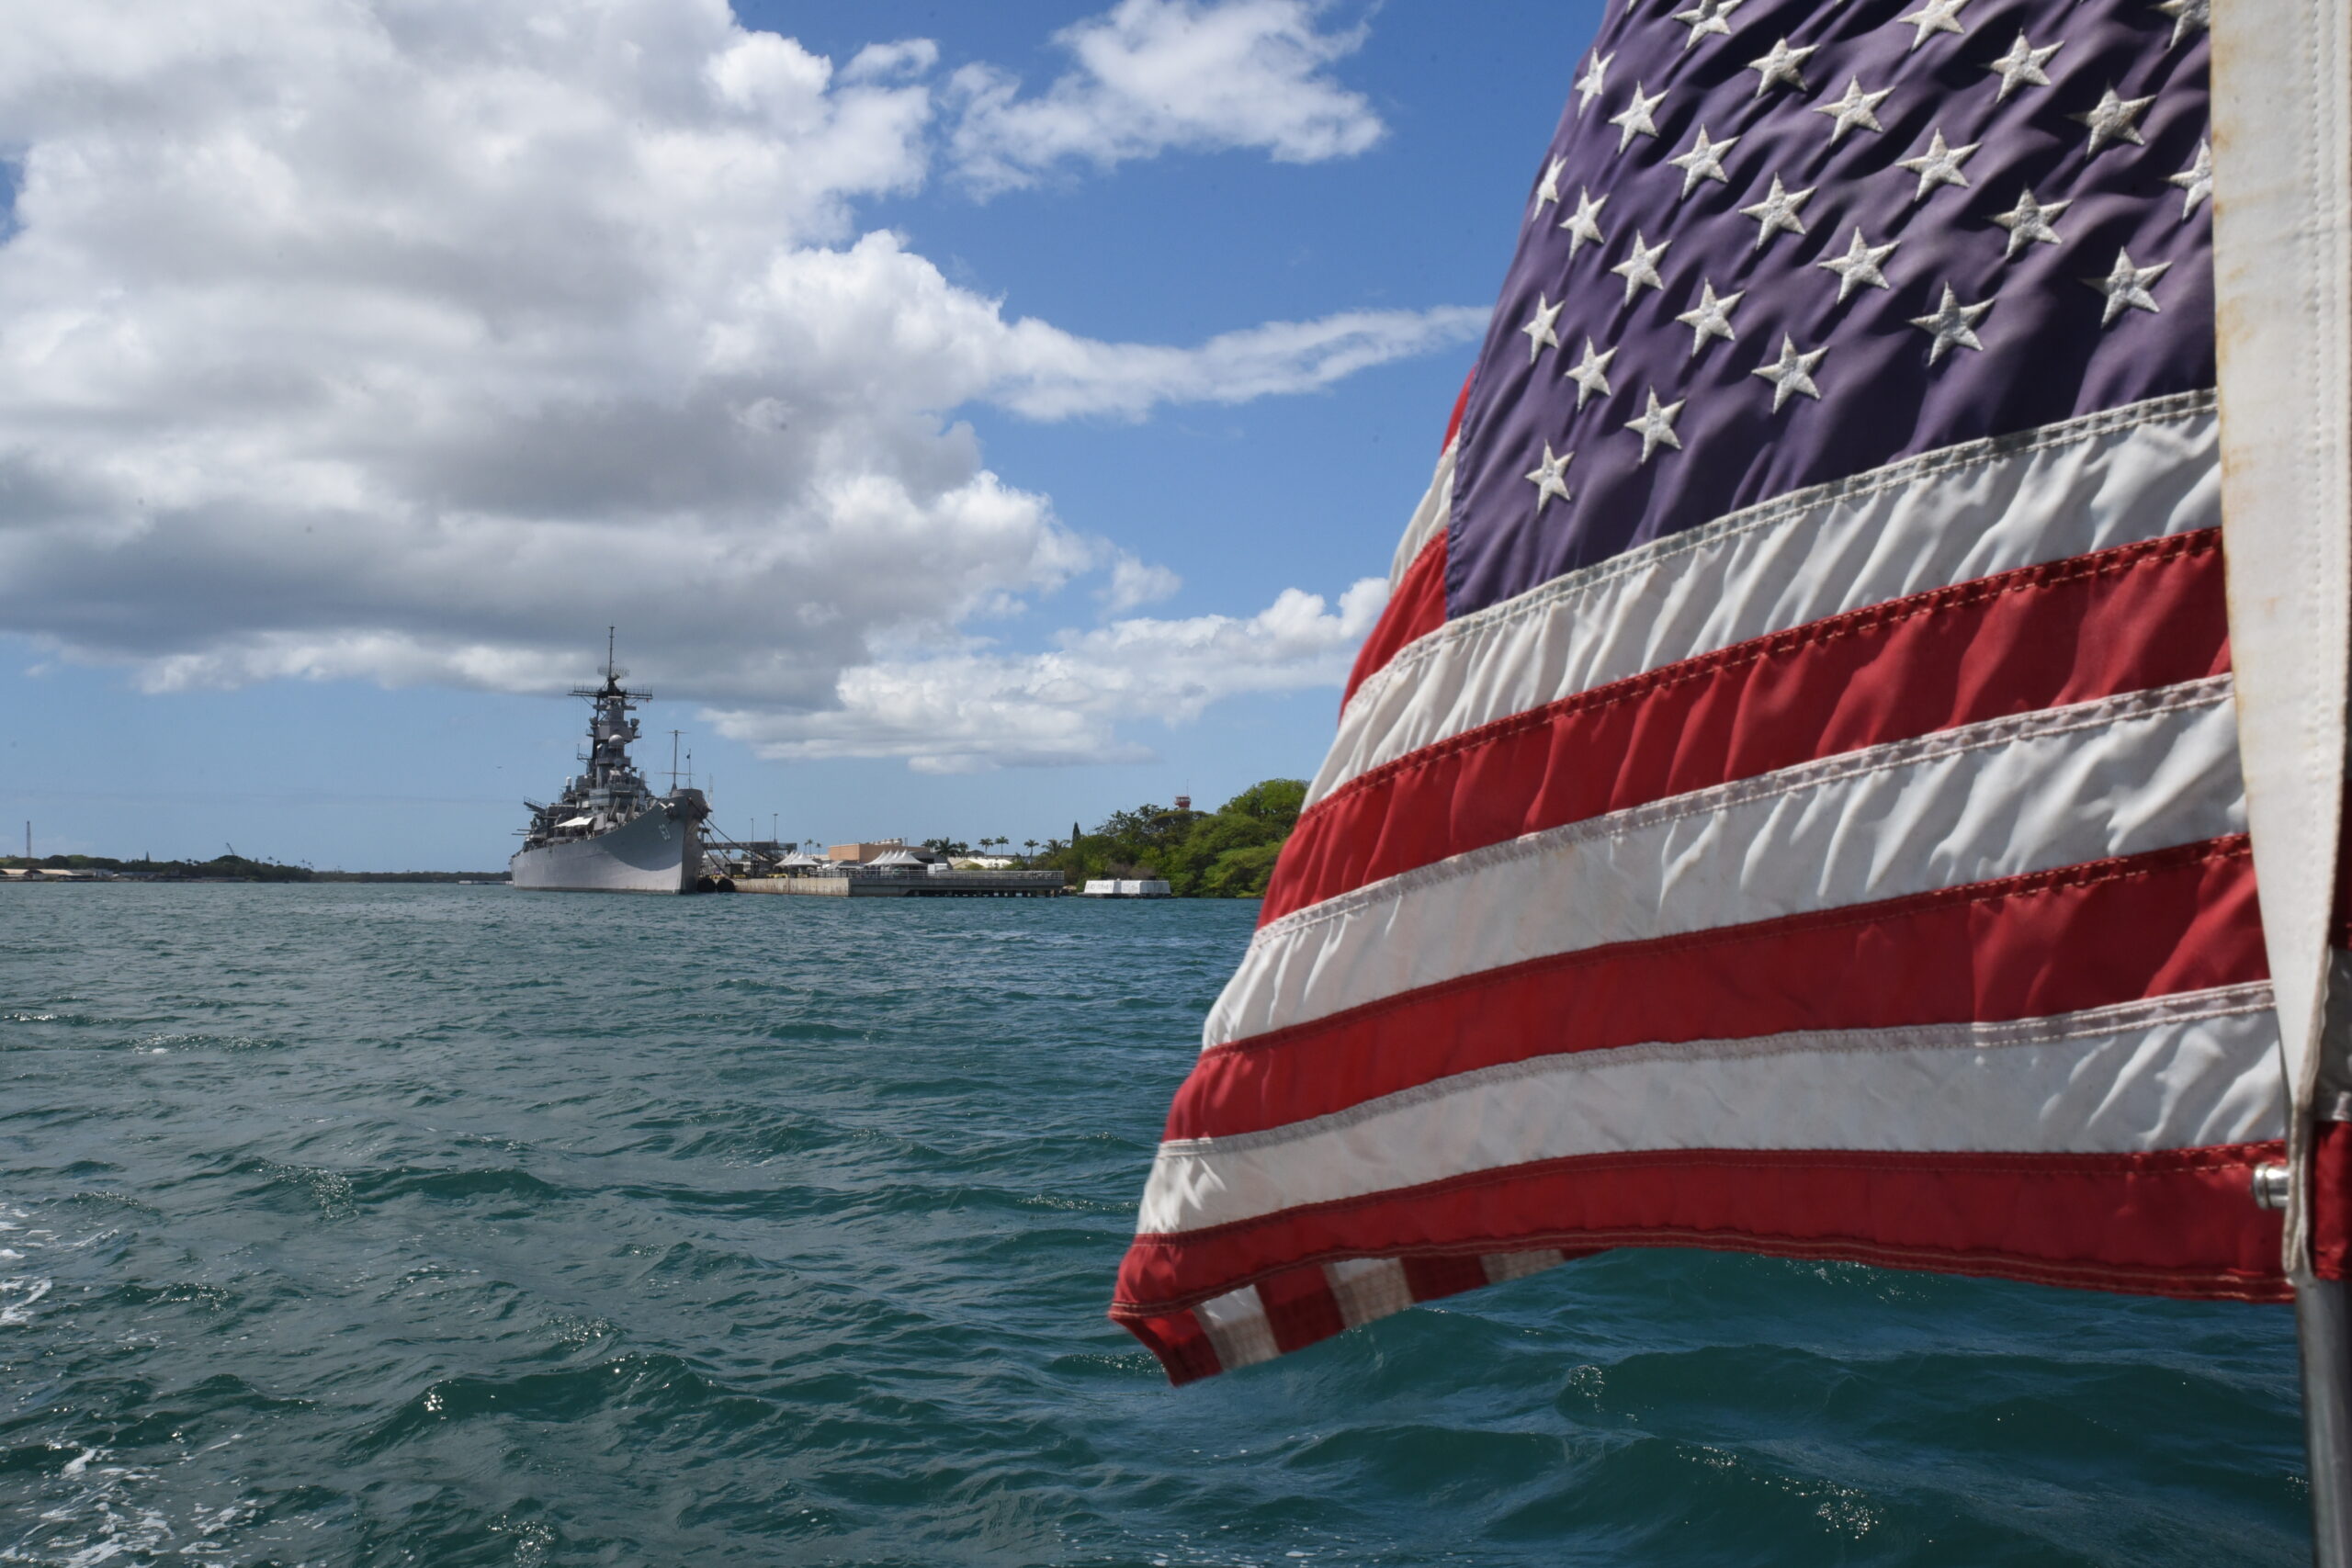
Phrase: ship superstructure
pixel 609 832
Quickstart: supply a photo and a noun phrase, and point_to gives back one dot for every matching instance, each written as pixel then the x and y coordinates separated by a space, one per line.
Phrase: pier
pixel 898 883
pixel 881 868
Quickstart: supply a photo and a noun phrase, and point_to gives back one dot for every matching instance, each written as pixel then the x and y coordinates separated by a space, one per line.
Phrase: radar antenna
pixel 614 675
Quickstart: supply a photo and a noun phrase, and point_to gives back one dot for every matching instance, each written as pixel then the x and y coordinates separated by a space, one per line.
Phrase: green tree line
pixel 1225 853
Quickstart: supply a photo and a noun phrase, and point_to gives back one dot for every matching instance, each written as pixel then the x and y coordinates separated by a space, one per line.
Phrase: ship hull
pixel 657 852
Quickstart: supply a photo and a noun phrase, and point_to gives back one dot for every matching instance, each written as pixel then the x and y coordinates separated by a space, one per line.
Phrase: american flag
pixel 1791 804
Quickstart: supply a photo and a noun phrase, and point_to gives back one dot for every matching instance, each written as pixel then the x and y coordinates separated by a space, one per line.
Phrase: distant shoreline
pixel 222 868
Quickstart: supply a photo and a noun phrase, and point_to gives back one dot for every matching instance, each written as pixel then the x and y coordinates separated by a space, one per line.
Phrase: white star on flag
pixel 1549 477
pixel 1935 17
pixel 1634 120
pixel 1707 16
pixel 2021 67
pixel 1792 374
pixel 1640 269
pixel 1548 189
pixel 1857 108
pixel 2195 181
pixel 2187 16
pixel 1711 316
pixel 2110 120
pixel 1594 81
pixel 2028 221
pixel 1859 265
pixel 1704 160
pixel 1539 329
pixel 1953 325
pixel 2126 286
pixel 1939 165
pixel 1656 426
pixel 1779 67
pixel 1590 374
pixel 1583 223
pixel 1777 212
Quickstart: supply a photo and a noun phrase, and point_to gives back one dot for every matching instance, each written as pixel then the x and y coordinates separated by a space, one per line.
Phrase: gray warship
pixel 608 832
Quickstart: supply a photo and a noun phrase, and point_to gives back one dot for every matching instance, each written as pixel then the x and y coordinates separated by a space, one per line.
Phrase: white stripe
pixel 1504 1267
pixel 1926 522
pixel 2185 1071
pixel 2057 788
pixel 1430 518
pixel 1237 1326
pixel 1368 1288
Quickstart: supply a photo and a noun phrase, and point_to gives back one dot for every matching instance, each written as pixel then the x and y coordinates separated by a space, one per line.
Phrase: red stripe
pixel 1416 609
pixel 2122 620
pixel 1179 1342
pixel 1300 1307
pixel 1432 1279
pixel 2174 919
pixel 1300 1311
pixel 1461 401
pixel 2174 1223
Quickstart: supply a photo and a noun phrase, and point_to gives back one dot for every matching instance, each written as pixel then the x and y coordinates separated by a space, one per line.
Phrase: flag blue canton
pixel 1776 244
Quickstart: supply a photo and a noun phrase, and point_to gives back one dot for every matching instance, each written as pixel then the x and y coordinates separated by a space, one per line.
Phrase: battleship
pixel 608 832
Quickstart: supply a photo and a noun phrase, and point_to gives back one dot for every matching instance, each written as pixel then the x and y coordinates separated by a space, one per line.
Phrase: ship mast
pixel 611 730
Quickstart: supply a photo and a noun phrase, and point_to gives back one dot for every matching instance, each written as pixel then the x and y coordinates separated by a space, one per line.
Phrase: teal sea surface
pixel 447 1225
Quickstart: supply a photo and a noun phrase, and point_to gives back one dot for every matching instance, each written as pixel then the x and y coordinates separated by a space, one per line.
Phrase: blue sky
pixel 325 470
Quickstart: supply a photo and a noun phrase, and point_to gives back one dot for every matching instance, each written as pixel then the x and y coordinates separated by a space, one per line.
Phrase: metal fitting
pixel 2271 1186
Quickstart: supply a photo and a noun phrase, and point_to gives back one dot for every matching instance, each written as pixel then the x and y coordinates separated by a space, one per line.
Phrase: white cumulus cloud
pixel 965 711
pixel 417 341
pixel 1135 583
pixel 1156 74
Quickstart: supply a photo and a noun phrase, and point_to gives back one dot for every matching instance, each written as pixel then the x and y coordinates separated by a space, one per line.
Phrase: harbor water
pixel 449 1225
